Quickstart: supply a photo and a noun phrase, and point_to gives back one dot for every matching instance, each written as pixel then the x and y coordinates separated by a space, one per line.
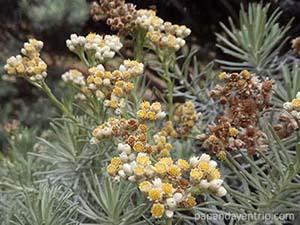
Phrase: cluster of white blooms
pixel 132 67
pixel 100 47
pixel 166 183
pixel 162 34
pixel 294 106
pixel 148 20
pixel 103 131
pixel 113 86
pixel 73 76
pixel 212 182
pixel 149 111
pixel 29 64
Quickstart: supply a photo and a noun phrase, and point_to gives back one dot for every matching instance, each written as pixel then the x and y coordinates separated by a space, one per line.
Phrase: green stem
pixel 55 101
pixel 83 58
pixel 139 42
pixel 169 221
pixel 170 87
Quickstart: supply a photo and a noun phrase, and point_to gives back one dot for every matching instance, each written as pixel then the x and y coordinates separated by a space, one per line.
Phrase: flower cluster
pixel 125 18
pixel 29 64
pixel 243 97
pixel 294 106
pixel 185 118
pixel 113 86
pixel 150 111
pixel 94 45
pixel 146 161
pixel 160 33
pixel 119 15
pixel 296 46
pixel 168 185
pixel 74 77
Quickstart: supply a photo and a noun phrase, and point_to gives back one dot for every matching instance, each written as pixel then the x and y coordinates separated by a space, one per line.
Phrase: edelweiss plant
pixel 116 156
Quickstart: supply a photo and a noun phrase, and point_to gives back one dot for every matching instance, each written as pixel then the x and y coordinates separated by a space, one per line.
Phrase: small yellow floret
pixel 145 186
pixel 196 174
pixel 157 210
pixel 155 194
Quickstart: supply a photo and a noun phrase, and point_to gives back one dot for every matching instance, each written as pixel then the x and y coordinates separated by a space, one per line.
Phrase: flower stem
pixel 170 87
pixel 55 101
pixel 169 221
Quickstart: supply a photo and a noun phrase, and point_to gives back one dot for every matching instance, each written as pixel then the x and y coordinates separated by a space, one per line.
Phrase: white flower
pixel 205 157
pixel 215 184
pixel 194 161
pixel 178 197
pixel 149 171
pixel 212 164
pixel 171 202
pixel 157 182
pixel 123 157
pixel 122 173
pixel 298 94
pixel 161 115
pixel 127 169
pixel 288 106
pixel 204 184
pixel 169 213
pixel 221 192
pixel 132 157
pixel 132 178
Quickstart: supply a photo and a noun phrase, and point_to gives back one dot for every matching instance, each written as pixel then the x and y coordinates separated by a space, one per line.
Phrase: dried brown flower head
pixel 120 16
pixel 296 46
pixel 243 97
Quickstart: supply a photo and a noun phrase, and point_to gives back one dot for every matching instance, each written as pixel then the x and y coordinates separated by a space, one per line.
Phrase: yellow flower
pixel 138 146
pixel 155 194
pixel 139 171
pixel 166 161
pixel 112 169
pixel 145 105
pixel 90 37
pixel 221 155
pixel 160 168
pixel 183 164
pixel 143 160
pixel 168 146
pixel 97 80
pixel 114 104
pixel 145 186
pixel 222 76
pixel 246 74
pixel 196 174
pixel 214 174
pixel 296 103
pixel 117 91
pixel 203 165
pixel 151 115
pixel 191 201
pixel 167 188
pixel 129 86
pixel 165 152
pixel 142 114
pixel 233 131
pixel 156 107
pixel 116 161
pixel 143 128
pixel 157 210
pixel 174 171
